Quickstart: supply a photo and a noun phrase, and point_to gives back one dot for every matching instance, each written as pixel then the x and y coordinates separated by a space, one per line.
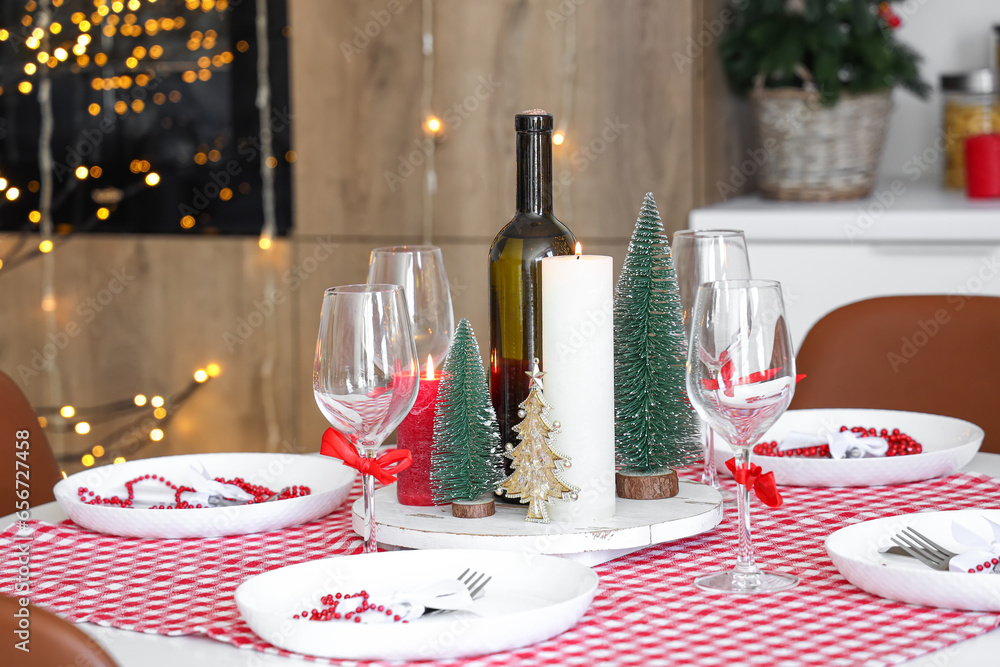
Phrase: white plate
pixel 948 444
pixel 329 480
pixel 530 599
pixel 854 551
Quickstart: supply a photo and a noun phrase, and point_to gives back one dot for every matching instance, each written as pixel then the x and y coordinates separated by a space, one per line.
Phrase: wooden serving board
pixel 637 524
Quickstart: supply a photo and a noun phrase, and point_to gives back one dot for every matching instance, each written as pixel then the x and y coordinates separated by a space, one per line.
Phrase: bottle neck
pixel 534 172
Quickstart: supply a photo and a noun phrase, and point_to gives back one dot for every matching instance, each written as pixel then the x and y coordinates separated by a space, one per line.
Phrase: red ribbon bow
pixel 384 468
pixel 726 375
pixel 762 485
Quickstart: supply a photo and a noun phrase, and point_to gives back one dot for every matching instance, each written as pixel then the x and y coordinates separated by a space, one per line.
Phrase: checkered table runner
pixel 647 611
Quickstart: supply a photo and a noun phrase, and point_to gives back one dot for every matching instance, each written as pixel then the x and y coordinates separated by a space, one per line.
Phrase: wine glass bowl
pixel 366 374
pixel 741 378
pixel 419 269
pixel 704 256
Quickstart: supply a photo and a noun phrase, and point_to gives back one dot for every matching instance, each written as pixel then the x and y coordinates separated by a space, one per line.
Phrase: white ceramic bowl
pixel 530 598
pixel 328 479
pixel 948 444
pixel 854 551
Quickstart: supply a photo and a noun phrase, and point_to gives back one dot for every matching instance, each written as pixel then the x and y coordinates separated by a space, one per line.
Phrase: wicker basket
pixel 815 153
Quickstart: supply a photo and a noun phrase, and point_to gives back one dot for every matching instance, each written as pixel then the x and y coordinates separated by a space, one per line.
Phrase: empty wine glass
pixel 420 271
pixel 366 375
pixel 703 256
pixel 741 377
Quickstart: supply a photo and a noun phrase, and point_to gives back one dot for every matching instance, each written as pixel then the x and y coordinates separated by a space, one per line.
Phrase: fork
pixel 923 549
pixel 473 581
pixel 219 501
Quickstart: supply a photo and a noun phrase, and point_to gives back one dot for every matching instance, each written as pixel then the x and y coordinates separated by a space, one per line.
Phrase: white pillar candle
pixel 579 364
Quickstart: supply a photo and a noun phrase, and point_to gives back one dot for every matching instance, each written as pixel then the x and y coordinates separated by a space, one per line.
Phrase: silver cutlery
pixel 473 581
pixel 928 552
pixel 219 501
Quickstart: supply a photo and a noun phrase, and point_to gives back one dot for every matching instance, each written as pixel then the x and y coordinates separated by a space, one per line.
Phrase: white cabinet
pixel 912 240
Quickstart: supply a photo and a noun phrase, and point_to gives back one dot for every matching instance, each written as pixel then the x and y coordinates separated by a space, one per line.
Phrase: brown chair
pixel 16 414
pixel 935 353
pixel 51 640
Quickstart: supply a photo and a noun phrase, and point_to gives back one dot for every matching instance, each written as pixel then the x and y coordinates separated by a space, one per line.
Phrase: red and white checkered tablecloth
pixel 647 611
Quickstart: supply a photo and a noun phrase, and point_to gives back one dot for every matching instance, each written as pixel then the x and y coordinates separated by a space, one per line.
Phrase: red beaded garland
pixel 329 609
pixel 900 444
pixel 259 493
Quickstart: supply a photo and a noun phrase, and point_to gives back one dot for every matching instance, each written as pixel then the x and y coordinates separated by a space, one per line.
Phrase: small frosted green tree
pixel 655 426
pixel 467 457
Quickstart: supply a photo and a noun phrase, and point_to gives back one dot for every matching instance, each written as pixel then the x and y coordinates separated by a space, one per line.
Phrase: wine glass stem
pixel 368 489
pixel 708 475
pixel 746 570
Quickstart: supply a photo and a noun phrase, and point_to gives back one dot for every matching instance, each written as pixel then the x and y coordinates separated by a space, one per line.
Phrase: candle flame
pixel 429 372
pixel 579 248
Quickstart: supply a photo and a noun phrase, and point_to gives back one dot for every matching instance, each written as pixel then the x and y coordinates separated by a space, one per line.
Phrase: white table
pixel 133 649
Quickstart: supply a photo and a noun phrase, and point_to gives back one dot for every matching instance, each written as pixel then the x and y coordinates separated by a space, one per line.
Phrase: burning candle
pixel 416 433
pixel 578 360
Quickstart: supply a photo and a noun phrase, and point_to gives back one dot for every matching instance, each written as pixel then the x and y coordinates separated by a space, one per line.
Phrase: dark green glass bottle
pixel 515 293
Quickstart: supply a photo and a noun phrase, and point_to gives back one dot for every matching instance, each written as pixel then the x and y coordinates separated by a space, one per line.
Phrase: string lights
pixel 56 37
pixel 148 418
pixel 267 160
pixel 432 124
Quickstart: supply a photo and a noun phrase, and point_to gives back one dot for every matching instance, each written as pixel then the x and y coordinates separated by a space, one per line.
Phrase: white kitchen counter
pixel 906 239
pixel 899 211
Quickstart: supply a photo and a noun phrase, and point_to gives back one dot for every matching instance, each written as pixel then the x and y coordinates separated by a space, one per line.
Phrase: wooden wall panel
pixel 627 77
pixel 147 312
pixel 494 59
pixel 355 113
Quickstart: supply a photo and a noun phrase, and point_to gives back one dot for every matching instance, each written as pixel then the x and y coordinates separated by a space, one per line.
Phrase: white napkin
pixel 766 394
pixel 450 594
pixel 843 444
pixel 978 553
pixel 148 494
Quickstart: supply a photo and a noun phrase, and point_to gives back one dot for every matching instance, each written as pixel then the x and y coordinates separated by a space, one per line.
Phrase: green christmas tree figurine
pixel 537 464
pixel 467 458
pixel 655 426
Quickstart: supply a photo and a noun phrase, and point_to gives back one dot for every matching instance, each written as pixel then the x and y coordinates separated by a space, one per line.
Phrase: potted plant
pixel 820 75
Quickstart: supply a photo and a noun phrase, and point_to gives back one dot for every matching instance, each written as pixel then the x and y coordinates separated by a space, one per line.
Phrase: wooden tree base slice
pixel 646 487
pixel 473 509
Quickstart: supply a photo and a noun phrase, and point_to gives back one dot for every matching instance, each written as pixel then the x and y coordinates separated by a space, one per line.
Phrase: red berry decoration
pixel 259 493
pixel 332 601
pixel 900 444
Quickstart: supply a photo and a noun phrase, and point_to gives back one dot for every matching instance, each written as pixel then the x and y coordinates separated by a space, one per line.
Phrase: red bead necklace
pixel 991 564
pixel 260 493
pixel 332 601
pixel 900 444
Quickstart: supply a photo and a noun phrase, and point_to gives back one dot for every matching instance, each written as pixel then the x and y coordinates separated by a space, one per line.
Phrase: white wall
pixel 952 36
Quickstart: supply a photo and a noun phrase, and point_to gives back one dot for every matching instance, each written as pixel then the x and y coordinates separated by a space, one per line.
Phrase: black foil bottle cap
pixel 533 120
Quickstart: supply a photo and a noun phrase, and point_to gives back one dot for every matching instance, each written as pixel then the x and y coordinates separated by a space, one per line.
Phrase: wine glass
pixel 702 256
pixel 420 271
pixel 741 377
pixel 366 375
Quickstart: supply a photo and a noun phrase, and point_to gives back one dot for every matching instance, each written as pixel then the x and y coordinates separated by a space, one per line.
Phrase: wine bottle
pixel 515 272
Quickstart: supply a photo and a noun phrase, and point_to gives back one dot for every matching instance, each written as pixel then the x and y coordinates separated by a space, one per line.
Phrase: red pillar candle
pixel 416 433
pixel 982 166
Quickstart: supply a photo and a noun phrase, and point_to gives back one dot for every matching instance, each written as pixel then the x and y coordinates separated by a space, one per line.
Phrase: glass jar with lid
pixel 971 107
